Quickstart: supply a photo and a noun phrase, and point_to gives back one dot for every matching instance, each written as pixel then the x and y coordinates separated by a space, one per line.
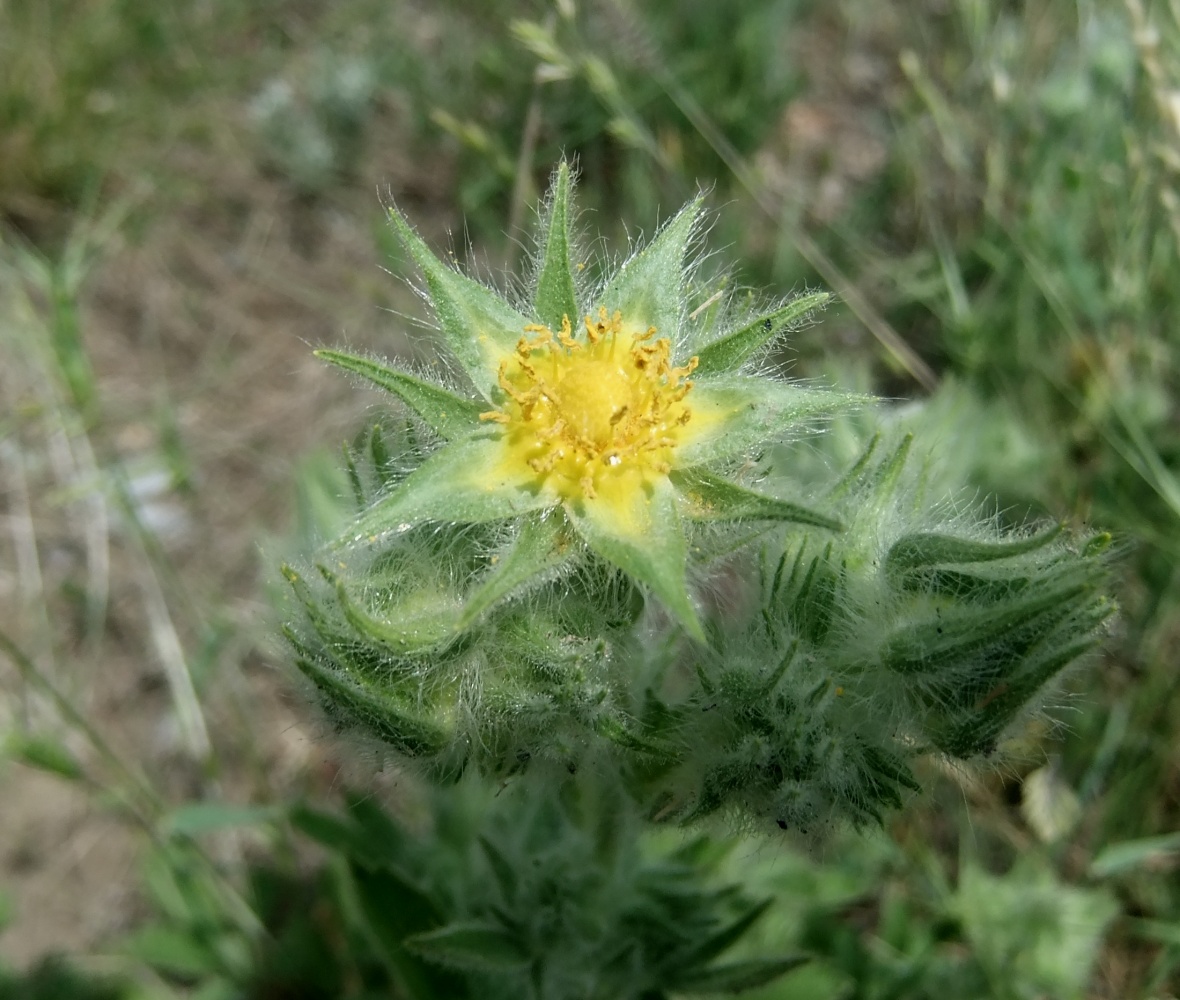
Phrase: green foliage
pixel 54 978
pixel 543 892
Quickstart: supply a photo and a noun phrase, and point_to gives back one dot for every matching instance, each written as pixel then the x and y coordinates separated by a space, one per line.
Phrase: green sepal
pixel 555 297
pixel 978 731
pixel 729 352
pixel 410 631
pixel 931 549
pixel 471 946
pixel 889 767
pixel 479 327
pixel 446 414
pixel 648 287
pixel 541 545
pixel 647 542
pixel 1003 631
pixel 360 702
pixel 713 498
pixel 459 483
pixel 324 628
pixel 618 732
pixel 737 977
pixel 742 413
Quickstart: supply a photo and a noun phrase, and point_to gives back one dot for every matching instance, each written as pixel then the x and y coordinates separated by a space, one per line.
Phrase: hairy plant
pixel 560 561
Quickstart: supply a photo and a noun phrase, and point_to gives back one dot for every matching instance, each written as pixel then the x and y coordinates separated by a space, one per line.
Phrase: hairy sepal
pixel 732 350
pixel 448 415
pixel 479 327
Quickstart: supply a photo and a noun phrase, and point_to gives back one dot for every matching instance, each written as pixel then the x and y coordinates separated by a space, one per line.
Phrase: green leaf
pixel 505 873
pixel 714 498
pixel 725 938
pixel 1117 858
pixel 448 415
pixel 930 549
pixel 465 482
pixel 731 351
pixel 736 977
pixel 45 754
pixel 479 327
pixel 172 952
pixel 402 629
pixel 388 719
pixel 394 909
pixel 640 532
pixel 471 946
pixel 648 287
pixel 541 545
pixel 962 634
pixel 979 731
pixel 334 833
pixel 203 817
pixel 731 416
pixel 556 297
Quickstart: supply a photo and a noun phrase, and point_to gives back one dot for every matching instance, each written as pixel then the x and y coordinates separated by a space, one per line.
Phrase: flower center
pixel 578 412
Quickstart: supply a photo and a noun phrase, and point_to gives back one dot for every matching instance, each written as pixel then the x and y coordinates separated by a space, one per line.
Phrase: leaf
pixel 394 910
pixel 506 875
pixel 648 287
pixel 448 415
pixel 388 719
pixel 479 327
pixel 714 498
pixel 636 525
pixel 337 834
pixel 715 944
pixel 471 946
pixel 172 952
pixel 731 351
pixel 45 754
pixel 731 416
pixel 539 547
pixel 556 297
pixel 465 482
pixel 930 548
pixel 736 977
pixel 196 818
pixel 1115 859
pixel 401 630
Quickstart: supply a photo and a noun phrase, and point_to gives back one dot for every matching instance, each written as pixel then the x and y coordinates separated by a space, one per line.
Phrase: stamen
pixel 609 401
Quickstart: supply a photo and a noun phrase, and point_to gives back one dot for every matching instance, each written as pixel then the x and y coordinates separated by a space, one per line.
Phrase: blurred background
pixel 191 201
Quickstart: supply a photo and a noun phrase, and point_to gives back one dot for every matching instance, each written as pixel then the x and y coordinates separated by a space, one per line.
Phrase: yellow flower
pixel 608 415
